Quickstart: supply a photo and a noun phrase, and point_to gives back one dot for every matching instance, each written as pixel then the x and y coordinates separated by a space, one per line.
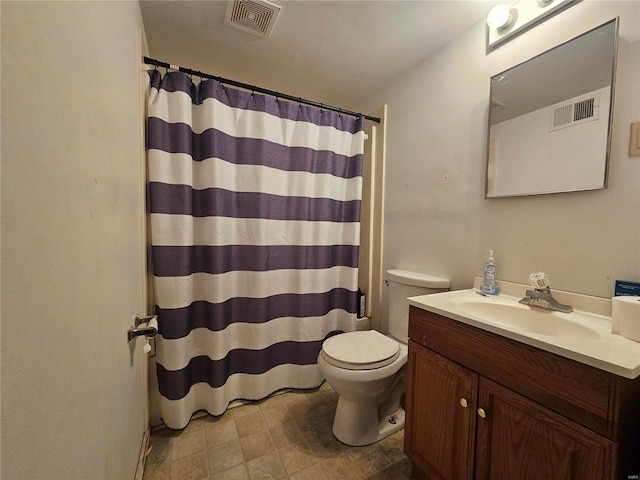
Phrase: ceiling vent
pixel 254 16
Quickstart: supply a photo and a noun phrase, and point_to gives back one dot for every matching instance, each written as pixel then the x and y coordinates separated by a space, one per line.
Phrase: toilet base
pixel 357 423
pixel 362 421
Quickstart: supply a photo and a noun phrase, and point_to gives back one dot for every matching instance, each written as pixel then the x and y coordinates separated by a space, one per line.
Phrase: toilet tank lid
pixel 418 279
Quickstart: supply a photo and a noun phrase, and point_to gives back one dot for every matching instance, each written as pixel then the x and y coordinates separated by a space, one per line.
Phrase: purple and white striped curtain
pixel 255 207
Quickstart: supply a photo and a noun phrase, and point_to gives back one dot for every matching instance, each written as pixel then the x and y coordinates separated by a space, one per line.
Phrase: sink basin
pixel 536 321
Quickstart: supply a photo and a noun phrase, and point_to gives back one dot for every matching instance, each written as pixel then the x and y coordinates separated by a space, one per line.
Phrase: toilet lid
pixel 364 350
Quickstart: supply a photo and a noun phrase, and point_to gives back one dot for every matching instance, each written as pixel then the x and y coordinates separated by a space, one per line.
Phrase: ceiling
pixel 332 52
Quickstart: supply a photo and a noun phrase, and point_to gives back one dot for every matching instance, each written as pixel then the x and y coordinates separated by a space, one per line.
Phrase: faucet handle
pixel 540 280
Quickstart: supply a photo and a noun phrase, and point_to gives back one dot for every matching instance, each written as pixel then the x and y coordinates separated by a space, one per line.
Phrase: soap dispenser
pixel 489 286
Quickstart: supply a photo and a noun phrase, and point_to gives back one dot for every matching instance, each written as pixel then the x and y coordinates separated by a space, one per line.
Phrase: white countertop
pixel 601 349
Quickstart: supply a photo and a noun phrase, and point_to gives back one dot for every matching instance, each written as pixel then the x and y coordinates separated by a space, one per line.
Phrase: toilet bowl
pixel 368 369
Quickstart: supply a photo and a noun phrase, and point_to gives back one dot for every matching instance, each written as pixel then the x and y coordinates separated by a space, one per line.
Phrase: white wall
pixel 73 403
pixel 436 219
pixel 526 144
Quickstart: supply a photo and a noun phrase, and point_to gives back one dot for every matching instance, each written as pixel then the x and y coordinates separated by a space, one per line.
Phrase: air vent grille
pixel 579 110
pixel 562 115
pixel 583 109
pixel 253 16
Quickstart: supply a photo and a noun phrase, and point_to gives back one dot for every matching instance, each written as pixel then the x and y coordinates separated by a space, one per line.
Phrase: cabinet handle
pixel 463 402
pixel 482 413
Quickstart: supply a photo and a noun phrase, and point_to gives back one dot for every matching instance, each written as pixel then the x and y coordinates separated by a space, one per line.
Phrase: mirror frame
pixel 616 25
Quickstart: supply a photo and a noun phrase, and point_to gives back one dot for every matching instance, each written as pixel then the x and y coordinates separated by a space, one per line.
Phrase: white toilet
pixel 368 369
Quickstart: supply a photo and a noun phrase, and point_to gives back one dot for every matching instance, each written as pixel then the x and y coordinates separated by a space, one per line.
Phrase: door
pixel 440 406
pixel 521 440
pixel 73 388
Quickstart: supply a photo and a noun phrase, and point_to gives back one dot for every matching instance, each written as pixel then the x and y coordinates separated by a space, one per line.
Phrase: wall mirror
pixel 550 119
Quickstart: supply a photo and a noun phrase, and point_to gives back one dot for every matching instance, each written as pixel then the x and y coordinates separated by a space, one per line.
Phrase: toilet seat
pixel 363 350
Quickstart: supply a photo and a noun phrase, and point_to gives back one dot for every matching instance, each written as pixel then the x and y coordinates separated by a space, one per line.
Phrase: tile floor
pixel 287 436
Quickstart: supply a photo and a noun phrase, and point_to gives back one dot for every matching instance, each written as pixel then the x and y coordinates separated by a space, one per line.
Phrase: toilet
pixel 368 369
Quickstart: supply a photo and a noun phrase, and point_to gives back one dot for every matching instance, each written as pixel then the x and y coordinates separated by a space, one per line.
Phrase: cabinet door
pixel 440 407
pixel 520 440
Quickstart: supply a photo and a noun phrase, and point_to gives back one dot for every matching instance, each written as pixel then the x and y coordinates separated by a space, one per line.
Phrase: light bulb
pixel 499 16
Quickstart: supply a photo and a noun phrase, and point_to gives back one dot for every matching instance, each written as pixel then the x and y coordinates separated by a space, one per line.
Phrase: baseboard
pixel 142 457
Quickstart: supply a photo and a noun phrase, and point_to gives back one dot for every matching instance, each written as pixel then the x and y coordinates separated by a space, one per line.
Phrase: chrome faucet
pixel 541 295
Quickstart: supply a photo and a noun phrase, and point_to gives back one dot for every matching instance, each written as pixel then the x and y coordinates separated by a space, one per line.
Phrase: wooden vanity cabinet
pixel 481 406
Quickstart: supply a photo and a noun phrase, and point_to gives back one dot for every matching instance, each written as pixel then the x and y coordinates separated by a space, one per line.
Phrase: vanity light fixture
pixel 506 21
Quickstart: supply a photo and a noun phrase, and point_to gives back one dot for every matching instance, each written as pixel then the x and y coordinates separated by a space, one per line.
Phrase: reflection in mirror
pixel 550 119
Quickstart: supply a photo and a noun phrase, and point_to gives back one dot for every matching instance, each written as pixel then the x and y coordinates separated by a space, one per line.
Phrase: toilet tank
pixel 403 284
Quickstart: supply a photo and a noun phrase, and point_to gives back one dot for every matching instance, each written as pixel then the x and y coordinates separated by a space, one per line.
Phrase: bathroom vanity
pixel 491 403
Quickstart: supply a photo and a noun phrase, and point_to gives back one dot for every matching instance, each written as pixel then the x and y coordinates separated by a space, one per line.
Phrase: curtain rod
pixel 253 88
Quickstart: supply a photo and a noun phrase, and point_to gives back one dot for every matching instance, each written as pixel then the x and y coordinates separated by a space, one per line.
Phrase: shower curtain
pixel 254 212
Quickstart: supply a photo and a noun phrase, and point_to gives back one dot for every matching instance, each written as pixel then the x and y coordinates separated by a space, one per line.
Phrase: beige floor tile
pixel 297 457
pixel 301 409
pixel 286 434
pixel 277 414
pixel 219 433
pixel 315 472
pixel 162 472
pixel 239 472
pixel 389 473
pixel 341 467
pixel 188 444
pixel 224 456
pixel 313 422
pixel 369 459
pixel 257 445
pixel 393 446
pixel 323 444
pixel 193 467
pixel 250 424
pixel 267 467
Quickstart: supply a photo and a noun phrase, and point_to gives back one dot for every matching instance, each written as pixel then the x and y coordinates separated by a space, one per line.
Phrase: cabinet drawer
pixel 577 391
